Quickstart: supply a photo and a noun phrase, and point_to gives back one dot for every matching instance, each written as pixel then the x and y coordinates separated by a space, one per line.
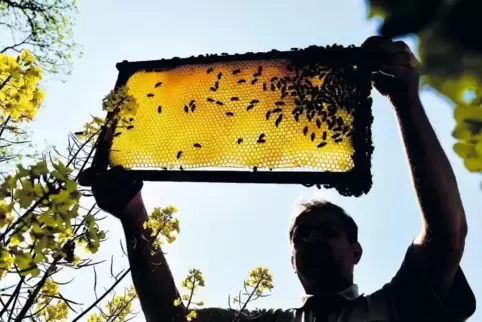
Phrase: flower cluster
pixel 20 95
pixel 38 208
pixel 163 226
pixel 191 283
pixel 468 132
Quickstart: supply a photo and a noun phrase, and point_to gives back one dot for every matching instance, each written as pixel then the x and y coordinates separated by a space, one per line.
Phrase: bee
pixel 212 89
pixel 339 121
pixel 297 117
pixel 239 141
pixel 159 109
pixel 261 138
pixel 322 144
pixel 241 81
pixel 258 73
pixel 346 128
pixel 323 116
pixel 348 134
pixel 305 130
pixel 197 145
pixel 219 103
pixel 273 88
pixel 130 127
pixel 158 84
pixel 336 136
pixel 209 99
pixel 324 135
pixel 220 75
pixel 265 87
pixel 236 71
pixel 338 140
pixel 191 103
pixel 193 107
pixel 268 114
pixel 179 154
pixel 254 101
pixel 277 110
pixel 117 134
pixel 150 95
pixel 210 70
pixel 234 98
pixel 278 120
pixel 254 81
pixel 186 109
pixel 313 136
pixel 284 94
pixel 273 79
pixel 216 84
pixel 318 123
pixel 250 107
pixel 279 103
pixel 229 114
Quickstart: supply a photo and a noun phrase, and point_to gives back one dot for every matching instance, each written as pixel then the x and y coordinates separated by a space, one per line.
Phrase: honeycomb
pixel 250 114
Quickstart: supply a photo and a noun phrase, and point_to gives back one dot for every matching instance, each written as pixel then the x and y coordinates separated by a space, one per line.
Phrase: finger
pixel 384 44
pixel 381 46
pixel 394 70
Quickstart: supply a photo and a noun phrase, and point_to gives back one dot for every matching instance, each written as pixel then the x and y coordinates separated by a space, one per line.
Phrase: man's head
pixel 325 248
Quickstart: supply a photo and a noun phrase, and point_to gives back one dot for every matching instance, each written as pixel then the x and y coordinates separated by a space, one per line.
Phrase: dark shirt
pixel 408 297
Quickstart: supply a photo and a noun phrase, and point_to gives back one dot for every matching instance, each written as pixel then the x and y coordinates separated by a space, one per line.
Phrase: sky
pixel 228 229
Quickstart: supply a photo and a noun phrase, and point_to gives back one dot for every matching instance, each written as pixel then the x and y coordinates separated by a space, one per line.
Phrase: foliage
pixel 20 100
pixel 44 27
pixel 451 59
pixel 44 228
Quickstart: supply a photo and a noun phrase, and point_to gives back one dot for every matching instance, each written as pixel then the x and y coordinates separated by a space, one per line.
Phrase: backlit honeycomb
pixel 261 114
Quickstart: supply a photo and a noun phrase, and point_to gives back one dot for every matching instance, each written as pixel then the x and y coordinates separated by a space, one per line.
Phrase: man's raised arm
pixel 151 275
pixel 433 259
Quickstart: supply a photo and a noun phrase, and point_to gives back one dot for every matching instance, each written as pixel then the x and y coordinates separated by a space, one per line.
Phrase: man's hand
pixel 115 192
pixel 397 74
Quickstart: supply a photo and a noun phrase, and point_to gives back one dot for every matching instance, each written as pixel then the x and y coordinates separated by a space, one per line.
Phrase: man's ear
pixel 357 252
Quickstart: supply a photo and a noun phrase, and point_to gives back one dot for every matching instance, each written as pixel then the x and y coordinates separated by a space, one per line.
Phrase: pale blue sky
pixel 228 229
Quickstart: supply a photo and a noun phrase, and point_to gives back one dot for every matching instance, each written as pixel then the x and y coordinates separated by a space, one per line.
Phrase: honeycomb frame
pixel 352 82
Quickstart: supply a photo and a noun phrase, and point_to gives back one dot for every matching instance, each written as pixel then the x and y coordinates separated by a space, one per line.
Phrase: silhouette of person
pixel 430 286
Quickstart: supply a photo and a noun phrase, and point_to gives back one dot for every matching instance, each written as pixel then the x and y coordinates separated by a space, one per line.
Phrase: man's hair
pixel 321 207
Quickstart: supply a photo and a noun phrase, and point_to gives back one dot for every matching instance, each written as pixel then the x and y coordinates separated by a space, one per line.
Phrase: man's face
pixel 322 254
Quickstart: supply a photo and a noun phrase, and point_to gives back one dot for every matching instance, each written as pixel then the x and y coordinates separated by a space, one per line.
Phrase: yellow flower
pixel 6 216
pixel 26 57
pixel 191 315
pixel 6 261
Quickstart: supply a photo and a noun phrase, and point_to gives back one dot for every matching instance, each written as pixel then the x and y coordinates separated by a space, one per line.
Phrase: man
pixel 429 287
